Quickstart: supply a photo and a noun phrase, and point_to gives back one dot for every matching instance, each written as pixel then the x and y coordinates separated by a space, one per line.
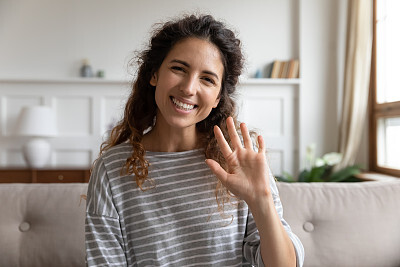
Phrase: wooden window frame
pixel 378 110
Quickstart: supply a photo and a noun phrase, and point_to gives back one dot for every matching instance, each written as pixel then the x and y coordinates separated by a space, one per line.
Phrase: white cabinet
pixel 85 110
pixel 270 107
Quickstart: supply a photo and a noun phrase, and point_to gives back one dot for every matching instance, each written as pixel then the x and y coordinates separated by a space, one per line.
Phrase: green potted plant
pixel 323 169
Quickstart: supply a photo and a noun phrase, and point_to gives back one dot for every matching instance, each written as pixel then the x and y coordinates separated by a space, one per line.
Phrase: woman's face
pixel 188 83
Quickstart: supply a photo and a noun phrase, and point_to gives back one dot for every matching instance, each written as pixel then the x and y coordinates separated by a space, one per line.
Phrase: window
pixel 385 89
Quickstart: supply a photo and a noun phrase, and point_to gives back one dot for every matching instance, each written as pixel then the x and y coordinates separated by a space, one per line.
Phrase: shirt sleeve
pixel 104 240
pixel 251 248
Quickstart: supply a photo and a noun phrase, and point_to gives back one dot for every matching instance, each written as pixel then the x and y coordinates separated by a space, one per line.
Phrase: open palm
pixel 247 174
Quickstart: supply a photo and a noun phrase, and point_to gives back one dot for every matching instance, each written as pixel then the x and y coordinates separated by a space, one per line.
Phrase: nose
pixel 189 85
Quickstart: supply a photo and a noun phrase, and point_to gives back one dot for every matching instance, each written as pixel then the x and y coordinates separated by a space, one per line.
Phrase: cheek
pixel 158 96
pixel 210 101
pixel 161 99
pixel 214 99
pixel 217 99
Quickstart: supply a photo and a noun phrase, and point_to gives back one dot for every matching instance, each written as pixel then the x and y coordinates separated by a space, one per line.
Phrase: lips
pixel 182 105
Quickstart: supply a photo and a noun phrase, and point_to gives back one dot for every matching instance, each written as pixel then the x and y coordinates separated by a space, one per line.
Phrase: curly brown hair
pixel 141 108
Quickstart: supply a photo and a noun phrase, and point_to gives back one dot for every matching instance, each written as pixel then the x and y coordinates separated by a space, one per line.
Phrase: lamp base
pixel 37 152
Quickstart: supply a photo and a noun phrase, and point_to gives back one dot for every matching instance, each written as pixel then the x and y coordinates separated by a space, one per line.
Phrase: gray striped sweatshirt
pixel 175 223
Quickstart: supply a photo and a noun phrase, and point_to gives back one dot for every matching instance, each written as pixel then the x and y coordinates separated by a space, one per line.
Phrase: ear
pixel 153 80
pixel 216 102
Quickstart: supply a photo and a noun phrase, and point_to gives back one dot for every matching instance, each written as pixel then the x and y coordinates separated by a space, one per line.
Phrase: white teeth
pixel 182 105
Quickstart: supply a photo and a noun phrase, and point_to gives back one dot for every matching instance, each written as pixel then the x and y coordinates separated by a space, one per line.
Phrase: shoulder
pixel 107 167
pixel 112 160
pixel 117 153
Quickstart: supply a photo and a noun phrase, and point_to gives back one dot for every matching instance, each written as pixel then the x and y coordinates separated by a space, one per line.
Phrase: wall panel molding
pixel 271 110
pixel 80 113
pixel 87 109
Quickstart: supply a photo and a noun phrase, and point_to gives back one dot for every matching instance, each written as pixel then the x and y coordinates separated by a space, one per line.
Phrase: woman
pixel 174 186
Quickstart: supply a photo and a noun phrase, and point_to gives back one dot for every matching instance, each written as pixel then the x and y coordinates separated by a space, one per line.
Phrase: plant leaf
pixel 285 177
pixel 282 179
pixel 344 174
pixel 304 176
pixel 317 173
pixel 288 176
pixel 317 180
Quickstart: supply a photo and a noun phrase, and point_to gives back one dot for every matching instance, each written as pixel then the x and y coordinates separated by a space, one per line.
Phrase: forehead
pixel 198 52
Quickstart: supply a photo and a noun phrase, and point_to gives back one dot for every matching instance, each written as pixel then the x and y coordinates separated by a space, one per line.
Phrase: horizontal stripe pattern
pixel 175 223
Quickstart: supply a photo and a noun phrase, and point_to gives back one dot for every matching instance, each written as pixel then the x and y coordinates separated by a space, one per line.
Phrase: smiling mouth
pixel 182 105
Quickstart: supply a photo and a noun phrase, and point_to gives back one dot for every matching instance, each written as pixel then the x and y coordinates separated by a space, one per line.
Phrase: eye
pixel 177 68
pixel 209 80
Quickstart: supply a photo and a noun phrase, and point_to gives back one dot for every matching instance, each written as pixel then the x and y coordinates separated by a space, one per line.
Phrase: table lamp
pixel 37 122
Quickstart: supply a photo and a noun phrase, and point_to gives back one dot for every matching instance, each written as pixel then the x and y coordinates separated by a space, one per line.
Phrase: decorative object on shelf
pixel 258 74
pixel 37 122
pixel 323 169
pixel 293 69
pixel 100 74
pixel 268 70
pixel 86 69
pixel 285 69
pixel 276 67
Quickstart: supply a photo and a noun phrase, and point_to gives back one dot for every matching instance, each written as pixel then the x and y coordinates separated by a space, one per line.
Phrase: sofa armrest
pixel 345 224
pixel 42 224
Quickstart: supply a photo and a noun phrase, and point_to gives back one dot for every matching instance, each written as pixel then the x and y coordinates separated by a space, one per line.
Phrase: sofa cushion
pixel 42 225
pixel 345 224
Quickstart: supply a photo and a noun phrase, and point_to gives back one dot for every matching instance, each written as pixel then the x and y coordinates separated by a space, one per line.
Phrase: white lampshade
pixel 38 121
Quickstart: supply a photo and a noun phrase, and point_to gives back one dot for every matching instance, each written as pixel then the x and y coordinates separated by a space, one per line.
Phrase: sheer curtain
pixel 356 79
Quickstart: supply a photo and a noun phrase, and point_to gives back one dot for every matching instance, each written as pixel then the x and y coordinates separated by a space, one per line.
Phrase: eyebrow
pixel 188 65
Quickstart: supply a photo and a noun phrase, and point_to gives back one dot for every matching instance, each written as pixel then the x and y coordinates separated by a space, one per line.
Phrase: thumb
pixel 221 174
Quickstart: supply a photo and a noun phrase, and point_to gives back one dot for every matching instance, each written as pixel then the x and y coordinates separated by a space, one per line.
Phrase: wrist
pixel 261 203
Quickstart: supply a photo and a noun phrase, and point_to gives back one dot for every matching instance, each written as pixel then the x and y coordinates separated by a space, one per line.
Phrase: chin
pixel 183 123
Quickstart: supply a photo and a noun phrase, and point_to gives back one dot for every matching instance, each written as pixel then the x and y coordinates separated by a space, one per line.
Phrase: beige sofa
pixel 42 225
pixel 345 224
pixel 340 224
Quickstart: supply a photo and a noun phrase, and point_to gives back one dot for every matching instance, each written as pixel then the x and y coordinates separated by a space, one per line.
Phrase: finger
pixel 223 145
pixel 246 136
pixel 221 174
pixel 236 143
pixel 261 144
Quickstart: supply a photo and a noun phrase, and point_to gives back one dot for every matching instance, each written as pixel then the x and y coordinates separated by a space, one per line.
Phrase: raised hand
pixel 247 174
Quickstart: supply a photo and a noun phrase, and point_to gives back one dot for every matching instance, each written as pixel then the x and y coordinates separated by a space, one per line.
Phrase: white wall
pixel 49 38
pixel 322 50
pixel 323 40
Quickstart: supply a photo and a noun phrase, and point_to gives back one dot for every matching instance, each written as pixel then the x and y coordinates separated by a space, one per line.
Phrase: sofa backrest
pixel 345 224
pixel 340 224
pixel 42 225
